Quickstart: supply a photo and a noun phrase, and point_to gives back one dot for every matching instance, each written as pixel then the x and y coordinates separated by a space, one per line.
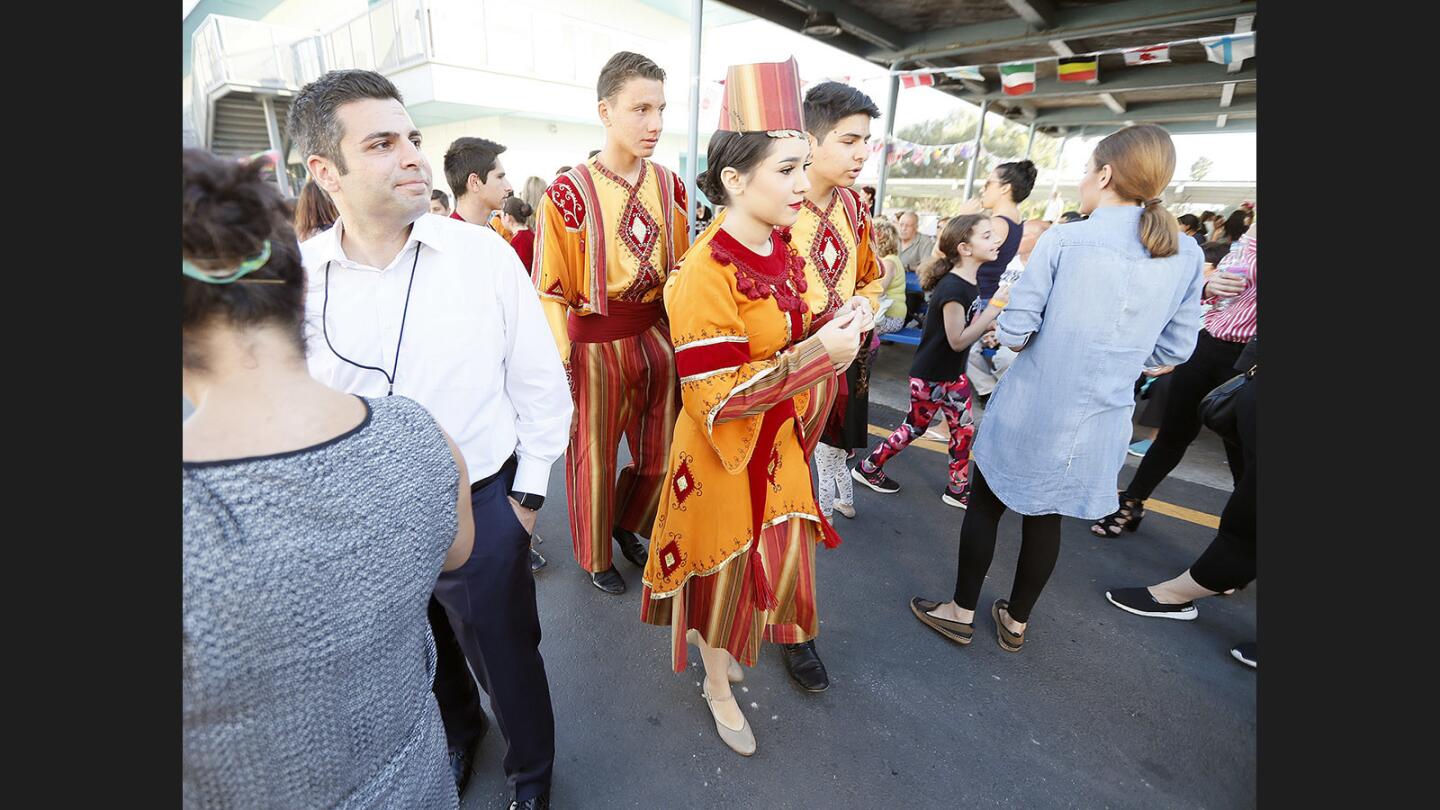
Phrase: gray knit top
pixel 307 660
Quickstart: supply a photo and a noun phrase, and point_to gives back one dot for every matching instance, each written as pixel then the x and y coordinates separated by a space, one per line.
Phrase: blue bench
pixel 910 336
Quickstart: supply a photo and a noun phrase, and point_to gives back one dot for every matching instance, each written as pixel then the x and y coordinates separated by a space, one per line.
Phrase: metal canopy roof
pixel 1189 94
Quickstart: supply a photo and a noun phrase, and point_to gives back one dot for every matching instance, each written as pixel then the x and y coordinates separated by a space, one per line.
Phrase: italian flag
pixel 1079 69
pixel 1018 79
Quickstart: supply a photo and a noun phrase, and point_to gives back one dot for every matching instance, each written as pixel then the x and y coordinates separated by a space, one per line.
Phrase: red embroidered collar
pixel 781 275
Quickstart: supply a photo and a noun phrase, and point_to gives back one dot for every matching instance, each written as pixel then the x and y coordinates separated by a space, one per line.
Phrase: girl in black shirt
pixel 937 379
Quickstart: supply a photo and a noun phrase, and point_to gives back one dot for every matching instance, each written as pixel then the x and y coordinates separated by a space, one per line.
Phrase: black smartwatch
pixel 528 500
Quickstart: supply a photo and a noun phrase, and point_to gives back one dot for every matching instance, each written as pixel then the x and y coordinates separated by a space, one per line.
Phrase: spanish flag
pixel 1079 69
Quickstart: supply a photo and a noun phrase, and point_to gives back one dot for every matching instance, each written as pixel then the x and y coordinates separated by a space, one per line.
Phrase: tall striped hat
pixel 763 97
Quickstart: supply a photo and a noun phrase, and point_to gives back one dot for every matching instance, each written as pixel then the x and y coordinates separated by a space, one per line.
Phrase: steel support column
pixel 692 163
pixel 890 103
pixel 975 155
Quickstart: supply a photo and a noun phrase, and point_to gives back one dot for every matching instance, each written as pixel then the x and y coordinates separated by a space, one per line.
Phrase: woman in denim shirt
pixel 1099 301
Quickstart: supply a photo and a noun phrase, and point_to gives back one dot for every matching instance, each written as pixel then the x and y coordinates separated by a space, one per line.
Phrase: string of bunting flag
pixel 922 154
pixel 1018 78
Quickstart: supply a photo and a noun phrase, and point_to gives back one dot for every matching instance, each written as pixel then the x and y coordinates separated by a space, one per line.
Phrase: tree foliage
pixel 1003 141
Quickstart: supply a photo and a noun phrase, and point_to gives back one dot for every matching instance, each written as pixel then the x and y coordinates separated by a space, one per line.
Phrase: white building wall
pixel 533 146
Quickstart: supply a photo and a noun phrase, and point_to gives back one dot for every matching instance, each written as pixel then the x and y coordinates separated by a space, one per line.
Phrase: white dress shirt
pixel 476 351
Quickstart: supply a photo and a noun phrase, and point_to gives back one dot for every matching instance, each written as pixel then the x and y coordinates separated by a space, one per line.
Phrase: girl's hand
pixel 860 305
pixel 841 339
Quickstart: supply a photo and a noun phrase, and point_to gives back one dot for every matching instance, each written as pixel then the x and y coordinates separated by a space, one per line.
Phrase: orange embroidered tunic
pixel 600 239
pixel 838 246
pixel 737 462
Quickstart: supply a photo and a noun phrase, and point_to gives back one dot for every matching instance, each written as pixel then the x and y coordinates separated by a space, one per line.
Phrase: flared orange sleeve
pixel 869 273
pixel 680 223
pixel 559 259
pixel 724 388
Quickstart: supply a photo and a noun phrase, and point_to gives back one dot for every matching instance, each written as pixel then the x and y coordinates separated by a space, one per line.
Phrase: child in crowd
pixel 937 379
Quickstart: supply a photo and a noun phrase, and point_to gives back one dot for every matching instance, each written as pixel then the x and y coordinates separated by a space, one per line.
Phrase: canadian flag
pixel 1147 56
pixel 917 79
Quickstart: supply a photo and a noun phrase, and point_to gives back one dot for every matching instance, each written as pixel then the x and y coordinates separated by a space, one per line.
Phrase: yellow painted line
pixel 1182 513
pixel 1173 510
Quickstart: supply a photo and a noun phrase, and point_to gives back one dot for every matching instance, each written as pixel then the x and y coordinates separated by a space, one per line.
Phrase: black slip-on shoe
pixel 1141 603
pixel 1245 653
pixel 609 580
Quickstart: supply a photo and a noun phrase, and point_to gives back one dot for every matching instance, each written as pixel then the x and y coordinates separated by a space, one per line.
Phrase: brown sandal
pixel 957 632
pixel 1009 642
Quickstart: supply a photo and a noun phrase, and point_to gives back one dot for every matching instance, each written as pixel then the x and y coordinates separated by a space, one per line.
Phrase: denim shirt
pixel 1092 309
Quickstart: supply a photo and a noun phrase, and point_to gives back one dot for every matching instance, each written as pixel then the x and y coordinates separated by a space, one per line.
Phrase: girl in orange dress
pixel 732 551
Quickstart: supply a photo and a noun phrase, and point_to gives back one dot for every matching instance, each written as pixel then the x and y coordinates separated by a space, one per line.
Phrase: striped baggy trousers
pixel 625 386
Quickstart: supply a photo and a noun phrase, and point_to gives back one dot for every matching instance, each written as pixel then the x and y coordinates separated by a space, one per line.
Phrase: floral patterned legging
pixel 953 398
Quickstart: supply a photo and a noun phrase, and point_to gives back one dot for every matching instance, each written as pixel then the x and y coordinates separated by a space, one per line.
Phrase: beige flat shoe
pixel 735 673
pixel 846 509
pixel 741 740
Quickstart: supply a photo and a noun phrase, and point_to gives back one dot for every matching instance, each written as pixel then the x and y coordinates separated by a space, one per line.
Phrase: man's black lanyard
pixel 324 328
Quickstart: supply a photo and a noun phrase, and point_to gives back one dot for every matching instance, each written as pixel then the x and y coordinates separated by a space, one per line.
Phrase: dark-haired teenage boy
pixel 607 234
pixel 842 271
pixel 473 169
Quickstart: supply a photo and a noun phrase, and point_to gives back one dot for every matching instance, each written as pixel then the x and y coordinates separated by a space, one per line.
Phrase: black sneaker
pixel 878 480
pixel 960 500
pixel 1141 603
pixel 1245 653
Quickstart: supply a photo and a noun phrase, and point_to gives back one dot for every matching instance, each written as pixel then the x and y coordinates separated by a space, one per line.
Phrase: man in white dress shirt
pixel 402 301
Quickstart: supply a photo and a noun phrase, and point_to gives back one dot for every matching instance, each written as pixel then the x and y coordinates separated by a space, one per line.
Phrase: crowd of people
pixel 383 378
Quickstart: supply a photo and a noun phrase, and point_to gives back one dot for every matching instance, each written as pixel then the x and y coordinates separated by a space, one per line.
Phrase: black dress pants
pixel 490 603
pixel 1229 562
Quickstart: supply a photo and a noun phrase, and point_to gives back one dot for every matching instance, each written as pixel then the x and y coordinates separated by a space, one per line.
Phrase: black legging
pixel 1039 548
pixel 1229 562
pixel 1212 363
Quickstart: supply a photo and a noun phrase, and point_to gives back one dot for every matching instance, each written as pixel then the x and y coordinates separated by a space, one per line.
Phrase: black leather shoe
pixel 462 760
pixel 541 802
pixel 608 580
pixel 631 548
pixel 805 666
pixel 536 561
pixel 460 765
